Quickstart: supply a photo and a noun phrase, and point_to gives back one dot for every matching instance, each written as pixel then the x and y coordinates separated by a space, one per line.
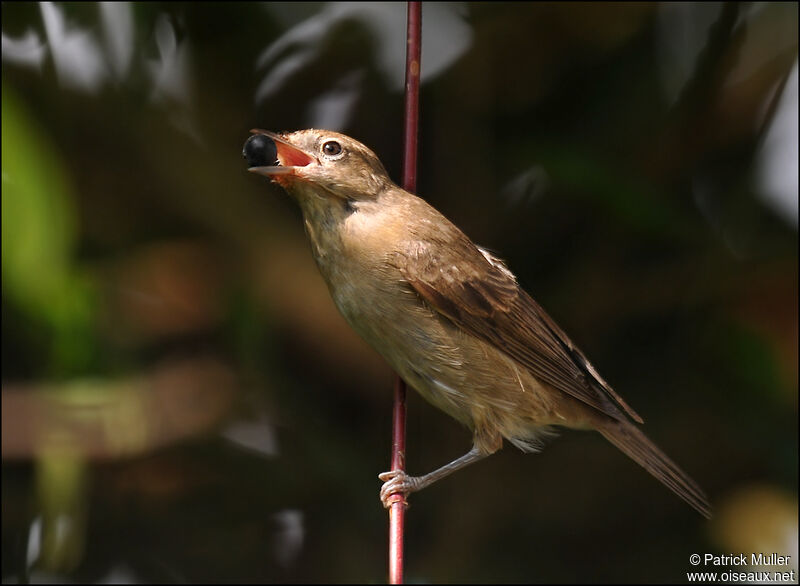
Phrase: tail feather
pixel 638 447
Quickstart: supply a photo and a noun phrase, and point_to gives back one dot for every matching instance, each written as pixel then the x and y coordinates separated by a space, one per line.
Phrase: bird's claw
pixel 396 482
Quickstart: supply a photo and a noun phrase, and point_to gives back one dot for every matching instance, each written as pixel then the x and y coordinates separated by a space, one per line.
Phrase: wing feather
pixel 478 293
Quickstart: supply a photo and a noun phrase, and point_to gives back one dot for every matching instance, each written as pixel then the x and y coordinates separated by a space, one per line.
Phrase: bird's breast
pixel 459 373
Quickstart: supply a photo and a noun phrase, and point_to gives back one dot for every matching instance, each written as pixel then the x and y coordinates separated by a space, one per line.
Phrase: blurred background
pixel 181 401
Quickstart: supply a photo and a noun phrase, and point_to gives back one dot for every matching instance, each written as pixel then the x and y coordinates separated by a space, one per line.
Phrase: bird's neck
pixel 323 215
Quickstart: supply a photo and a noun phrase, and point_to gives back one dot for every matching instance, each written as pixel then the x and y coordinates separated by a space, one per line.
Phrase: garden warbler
pixel 447 315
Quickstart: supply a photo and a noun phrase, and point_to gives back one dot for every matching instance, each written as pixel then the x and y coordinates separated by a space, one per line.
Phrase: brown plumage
pixel 449 317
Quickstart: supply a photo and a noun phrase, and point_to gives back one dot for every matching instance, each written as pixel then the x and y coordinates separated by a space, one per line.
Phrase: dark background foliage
pixel 181 401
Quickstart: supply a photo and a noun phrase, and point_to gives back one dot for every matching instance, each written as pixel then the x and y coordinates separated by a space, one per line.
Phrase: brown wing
pixel 475 291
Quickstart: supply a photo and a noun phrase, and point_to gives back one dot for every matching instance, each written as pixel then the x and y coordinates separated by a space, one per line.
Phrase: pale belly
pixel 465 377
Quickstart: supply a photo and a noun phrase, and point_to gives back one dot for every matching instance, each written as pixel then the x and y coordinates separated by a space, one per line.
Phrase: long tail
pixel 637 446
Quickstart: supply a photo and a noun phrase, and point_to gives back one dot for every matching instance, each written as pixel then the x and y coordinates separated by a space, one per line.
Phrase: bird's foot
pixel 397 483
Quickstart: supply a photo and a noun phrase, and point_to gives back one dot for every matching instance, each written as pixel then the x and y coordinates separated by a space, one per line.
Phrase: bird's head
pixel 318 161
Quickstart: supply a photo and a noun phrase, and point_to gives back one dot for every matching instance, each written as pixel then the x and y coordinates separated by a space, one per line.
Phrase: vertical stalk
pixel 397 508
pixel 411 112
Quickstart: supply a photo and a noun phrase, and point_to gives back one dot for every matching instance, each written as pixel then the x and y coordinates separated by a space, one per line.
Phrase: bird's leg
pixel 397 481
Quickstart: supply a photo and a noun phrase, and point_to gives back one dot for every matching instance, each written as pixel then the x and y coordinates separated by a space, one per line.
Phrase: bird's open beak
pixel 290 157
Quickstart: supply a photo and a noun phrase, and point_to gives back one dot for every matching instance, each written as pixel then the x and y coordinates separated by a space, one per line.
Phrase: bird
pixel 448 316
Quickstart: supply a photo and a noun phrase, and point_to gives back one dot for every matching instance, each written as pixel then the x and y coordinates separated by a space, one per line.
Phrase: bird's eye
pixel 332 148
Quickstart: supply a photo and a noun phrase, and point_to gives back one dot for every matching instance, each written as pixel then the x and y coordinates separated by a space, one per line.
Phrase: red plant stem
pixel 411 122
pixel 397 509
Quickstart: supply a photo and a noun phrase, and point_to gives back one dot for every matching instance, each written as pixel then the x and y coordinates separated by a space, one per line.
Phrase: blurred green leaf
pixel 38 235
pixel 38 219
pixel 61 484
